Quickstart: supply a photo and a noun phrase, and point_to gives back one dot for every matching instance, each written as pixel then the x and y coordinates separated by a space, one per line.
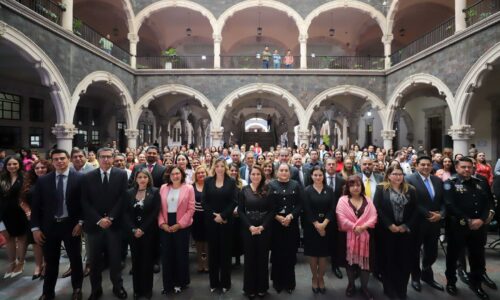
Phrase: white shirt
pixel 173 200
pixel 108 172
pixel 430 183
pixel 373 184
pixel 332 180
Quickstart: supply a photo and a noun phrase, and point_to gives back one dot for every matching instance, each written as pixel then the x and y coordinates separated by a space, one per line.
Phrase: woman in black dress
pixel 256 212
pixel 141 217
pixel 237 251
pixel 219 200
pixel 318 207
pixel 395 201
pixel 198 229
pixel 11 214
pixel 40 168
pixel 286 195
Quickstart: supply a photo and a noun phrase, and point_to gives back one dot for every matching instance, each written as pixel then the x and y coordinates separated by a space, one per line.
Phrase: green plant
pixel 326 139
pixel 170 52
pixel 77 25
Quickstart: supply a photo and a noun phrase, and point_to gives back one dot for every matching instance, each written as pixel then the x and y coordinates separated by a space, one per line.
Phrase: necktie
pixel 368 188
pixel 105 181
pixel 60 195
pixel 429 188
pixel 150 168
pixel 330 182
pixel 301 176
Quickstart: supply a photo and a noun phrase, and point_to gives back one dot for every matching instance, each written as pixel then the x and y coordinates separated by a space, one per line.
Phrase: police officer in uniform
pixel 467 199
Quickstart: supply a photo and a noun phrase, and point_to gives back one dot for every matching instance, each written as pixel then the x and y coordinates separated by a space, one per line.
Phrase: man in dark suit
pixel 247 167
pixel 284 158
pixel 431 206
pixel 304 172
pixel 370 179
pixel 56 215
pixel 156 170
pixel 103 192
pixel 336 182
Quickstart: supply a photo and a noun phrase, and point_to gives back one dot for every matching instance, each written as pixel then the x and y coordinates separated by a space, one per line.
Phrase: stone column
pixel 303 51
pixel 185 112
pixel 217 137
pixel 67 15
pixel 217 41
pixel 388 136
pixel 460 23
pixel 204 125
pixel 290 136
pixel 304 138
pixel 64 134
pixel 134 39
pixel 387 40
pixel 461 135
pixel 132 135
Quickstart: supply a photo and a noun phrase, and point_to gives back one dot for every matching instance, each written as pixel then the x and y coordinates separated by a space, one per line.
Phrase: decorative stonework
pixel 461 132
pixel 216 134
pixel 64 131
pixel 3 29
pixel 132 133
pixel 388 134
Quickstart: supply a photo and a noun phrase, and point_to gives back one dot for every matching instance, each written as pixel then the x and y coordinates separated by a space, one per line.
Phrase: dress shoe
pixel 480 293
pixel 451 288
pixel 464 277
pixel 156 268
pixel 36 276
pixel 416 285
pixel 18 270
pixel 337 272
pixel 262 294
pixel 433 284
pixel 315 290
pixel 322 290
pixel 120 293
pixel 77 294
pixel 46 297
pixel 67 273
pixel 488 282
pixel 95 295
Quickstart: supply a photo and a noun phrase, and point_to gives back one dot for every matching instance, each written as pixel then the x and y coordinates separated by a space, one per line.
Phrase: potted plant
pixel 171 57
pixel 77 25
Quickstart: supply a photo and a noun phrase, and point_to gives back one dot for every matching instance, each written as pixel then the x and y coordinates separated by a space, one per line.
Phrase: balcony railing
pixel 481 10
pixel 443 31
pixel 176 62
pixel 346 62
pixel 254 62
pixel 49 9
pixel 92 36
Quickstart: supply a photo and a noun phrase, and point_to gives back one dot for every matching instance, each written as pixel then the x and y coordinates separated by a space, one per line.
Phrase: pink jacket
pixel 185 207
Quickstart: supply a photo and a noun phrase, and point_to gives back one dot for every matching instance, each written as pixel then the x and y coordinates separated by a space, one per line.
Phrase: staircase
pixel 265 139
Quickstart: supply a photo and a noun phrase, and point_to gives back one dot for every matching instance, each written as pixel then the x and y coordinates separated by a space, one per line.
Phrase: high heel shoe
pixel 315 290
pixel 18 270
pixel 10 269
pixel 37 275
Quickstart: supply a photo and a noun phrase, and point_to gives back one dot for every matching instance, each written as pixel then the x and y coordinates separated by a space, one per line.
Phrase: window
pixel 36 137
pixel 95 137
pixel 84 134
pixel 36 110
pixel 10 107
pixel 10 137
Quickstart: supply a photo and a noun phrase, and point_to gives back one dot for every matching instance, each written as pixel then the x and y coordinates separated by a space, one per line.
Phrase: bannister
pixel 253 62
pixel 46 8
pixel 443 31
pixel 92 36
pixel 346 62
pixel 480 11
pixel 176 62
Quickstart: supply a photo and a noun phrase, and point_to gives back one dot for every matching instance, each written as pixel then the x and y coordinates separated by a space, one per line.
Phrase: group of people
pixel 369 211
pixel 275 59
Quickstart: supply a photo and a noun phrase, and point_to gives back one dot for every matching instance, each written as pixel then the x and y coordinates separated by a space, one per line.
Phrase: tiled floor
pixel 24 288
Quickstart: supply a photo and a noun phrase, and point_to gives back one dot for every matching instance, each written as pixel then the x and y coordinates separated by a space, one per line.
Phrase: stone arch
pixel 412 80
pixel 171 89
pixel 264 3
pixel 472 81
pixel 374 100
pixel 129 12
pixel 391 14
pixel 260 88
pixel 47 70
pixel 355 4
pixel 110 79
pixel 152 8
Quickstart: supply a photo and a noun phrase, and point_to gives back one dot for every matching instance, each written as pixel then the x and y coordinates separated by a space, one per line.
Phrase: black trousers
pixel 256 268
pixel 219 237
pixel 100 242
pixel 174 256
pixel 142 264
pixel 427 236
pixel 460 237
pixel 61 232
pixel 284 247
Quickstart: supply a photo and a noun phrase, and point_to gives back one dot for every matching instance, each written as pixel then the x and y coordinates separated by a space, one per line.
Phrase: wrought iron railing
pixel 481 10
pixel 255 62
pixel 47 8
pixel 443 31
pixel 176 62
pixel 105 43
pixel 346 62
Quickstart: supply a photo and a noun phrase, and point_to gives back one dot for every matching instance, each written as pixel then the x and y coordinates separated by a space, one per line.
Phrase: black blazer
pixel 151 209
pixel 424 201
pixel 382 202
pixel 98 202
pixel 157 174
pixel 44 206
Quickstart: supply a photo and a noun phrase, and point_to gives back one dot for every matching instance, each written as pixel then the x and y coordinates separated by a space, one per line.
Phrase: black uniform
pixel 466 200
pixel 287 198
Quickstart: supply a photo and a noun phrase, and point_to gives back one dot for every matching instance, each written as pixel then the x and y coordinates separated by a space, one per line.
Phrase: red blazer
pixel 185 206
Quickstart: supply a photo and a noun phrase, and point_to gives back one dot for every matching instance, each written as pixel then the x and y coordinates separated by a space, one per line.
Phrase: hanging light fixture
pixel 189 31
pixel 332 30
pixel 259 28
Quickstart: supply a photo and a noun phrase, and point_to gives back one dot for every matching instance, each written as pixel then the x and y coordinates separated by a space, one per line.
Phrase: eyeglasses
pixel 104 157
pixel 397 174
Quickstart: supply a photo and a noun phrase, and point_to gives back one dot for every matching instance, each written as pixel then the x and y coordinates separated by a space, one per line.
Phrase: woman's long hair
pixel 262 187
pixel 30 177
pixel 5 182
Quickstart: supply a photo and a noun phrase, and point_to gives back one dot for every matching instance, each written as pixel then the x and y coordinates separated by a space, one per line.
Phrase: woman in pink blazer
pixel 174 220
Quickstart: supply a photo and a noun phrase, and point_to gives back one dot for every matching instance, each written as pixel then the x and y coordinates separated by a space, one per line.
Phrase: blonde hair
pixel 386 184
pixel 226 169
pixel 200 168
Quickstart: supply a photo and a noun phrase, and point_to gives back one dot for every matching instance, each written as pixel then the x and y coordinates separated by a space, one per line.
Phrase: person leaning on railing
pixel 106 44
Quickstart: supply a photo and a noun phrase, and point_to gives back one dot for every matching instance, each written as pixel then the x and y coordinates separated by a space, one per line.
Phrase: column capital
pixel 64 131
pixel 217 38
pixel 461 132
pixel 216 134
pixel 304 135
pixel 387 39
pixel 303 38
pixel 388 134
pixel 132 133
pixel 204 124
pixel 133 38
